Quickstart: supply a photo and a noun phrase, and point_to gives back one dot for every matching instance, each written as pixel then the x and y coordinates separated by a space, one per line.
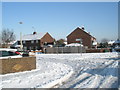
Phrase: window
pixel 32 41
pixel 23 42
pixel 30 48
pixel 36 48
pixel 25 48
pixel 36 41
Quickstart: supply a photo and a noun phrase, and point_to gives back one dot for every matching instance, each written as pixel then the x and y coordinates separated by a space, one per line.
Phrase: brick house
pixel 36 41
pixel 80 34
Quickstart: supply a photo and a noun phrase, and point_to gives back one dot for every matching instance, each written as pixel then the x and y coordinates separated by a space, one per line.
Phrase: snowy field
pixel 89 70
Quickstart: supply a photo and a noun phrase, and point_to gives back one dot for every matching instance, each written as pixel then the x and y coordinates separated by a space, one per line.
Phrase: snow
pixel 111 42
pixel 47 74
pixel 33 36
pixel 117 41
pixel 7 49
pixel 95 43
pixel 117 47
pixel 12 42
pixel 73 45
pixel 65 42
pixel 87 70
pixel 18 46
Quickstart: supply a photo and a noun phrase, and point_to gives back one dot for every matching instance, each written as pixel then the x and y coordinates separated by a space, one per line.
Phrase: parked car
pixel 9 53
pixel 25 54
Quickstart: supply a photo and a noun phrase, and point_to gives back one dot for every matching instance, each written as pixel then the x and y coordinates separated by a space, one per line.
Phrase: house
pixel 116 45
pixel 36 41
pixel 79 35
pixel 110 43
pixel 7 45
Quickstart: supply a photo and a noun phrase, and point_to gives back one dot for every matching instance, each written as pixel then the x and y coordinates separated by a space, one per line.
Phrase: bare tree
pixel 104 43
pixel 7 36
pixel 104 40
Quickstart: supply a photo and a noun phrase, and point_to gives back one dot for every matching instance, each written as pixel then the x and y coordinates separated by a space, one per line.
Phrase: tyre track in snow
pixel 87 72
pixel 87 79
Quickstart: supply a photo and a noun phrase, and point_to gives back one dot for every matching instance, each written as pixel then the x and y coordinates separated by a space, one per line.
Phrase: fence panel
pixel 65 49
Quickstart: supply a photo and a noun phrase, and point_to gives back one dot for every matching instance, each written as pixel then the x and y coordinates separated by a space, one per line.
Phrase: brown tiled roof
pixel 83 31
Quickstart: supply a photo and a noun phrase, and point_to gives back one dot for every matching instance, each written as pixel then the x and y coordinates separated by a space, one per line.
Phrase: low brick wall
pixel 13 65
pixel 98 50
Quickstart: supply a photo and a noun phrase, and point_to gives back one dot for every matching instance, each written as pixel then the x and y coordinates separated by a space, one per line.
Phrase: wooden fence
pixel 65 50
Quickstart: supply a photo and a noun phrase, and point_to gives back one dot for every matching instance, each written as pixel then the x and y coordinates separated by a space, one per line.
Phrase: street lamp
pixel 21 45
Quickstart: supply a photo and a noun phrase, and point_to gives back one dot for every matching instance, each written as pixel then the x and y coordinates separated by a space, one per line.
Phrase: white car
pixel 9 53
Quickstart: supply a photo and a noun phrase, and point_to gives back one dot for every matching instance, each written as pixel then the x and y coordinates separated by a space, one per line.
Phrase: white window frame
pixel 30 48
pixel 32 41
pixel 25 48
pixel 36 41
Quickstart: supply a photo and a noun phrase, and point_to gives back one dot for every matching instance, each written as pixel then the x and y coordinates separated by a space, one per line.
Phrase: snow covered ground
pixel 47 75
pixel 89 70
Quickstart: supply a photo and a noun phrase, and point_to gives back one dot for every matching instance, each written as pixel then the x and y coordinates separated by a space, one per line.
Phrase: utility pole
pixel 21 45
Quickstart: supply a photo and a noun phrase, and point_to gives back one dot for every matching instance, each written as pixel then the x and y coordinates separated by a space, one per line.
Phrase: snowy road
pixel 99 70
pixel 89 70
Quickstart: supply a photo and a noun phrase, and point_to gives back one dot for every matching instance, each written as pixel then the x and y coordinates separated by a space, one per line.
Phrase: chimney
pixel 82 28
pixel 34 33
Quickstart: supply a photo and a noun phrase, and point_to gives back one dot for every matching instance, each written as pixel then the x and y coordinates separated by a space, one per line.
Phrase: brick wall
pixel 47 38
pixel 98 50
pixel 80 34
pixel 13 65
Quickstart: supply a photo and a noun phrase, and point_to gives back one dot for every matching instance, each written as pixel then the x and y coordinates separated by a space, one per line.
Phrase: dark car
pixel 9 53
